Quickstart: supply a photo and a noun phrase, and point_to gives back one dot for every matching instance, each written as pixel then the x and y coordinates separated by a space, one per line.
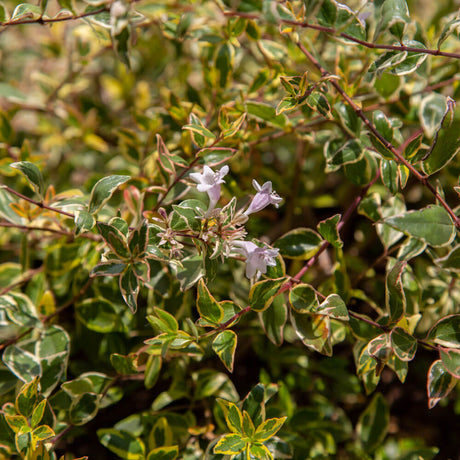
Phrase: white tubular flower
pixel 209 181
pixel 257 259
pixel 264 196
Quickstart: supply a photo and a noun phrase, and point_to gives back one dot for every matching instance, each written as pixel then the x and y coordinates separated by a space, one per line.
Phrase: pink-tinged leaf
pixel 439 383
pixel 451 361
pixel 314 331
pixel 446 331
pixel 129 287
pixel 403 344
pixel 395 298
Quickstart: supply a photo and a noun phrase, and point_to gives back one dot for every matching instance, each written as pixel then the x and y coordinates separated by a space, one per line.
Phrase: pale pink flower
pixel 209 181
pixel 257 258
pixel 264 197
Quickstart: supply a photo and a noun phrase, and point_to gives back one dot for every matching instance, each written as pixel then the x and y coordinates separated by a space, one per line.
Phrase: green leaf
pixel 230 444
pixel 207 306
pixel 395 298
pixel 431 224
pixel 27 398
pixel 348 22
pixel 274 319
pixel 197 127
pixel 6 209
pixel 447 146
pixel 451 361
pixel 234 418
pixel 103 191
pixel 373 423
pixel 254 403
pixel 84 408
pixel 99 315
pixel 451 261
pixel 152 371
pixel 314 331
pixel 395 17
pixel 110 268
pixel 387 84
pixel 380 349
pixel 404 345
pixel 439 383
pixel 287 103
pixel 390 175
pixel 84 222
pixel 32 174
pixel 404 62
pixel 42 433
pixel 124 365
pixel 164 321
pixel 366 367
pixel 327 14
pixel 8 91
pixel 431 112
pixel 303 299
pixel 272 49
pixel 318 101
pixel 45 357
pixel 129 288
pixel 108 231
pixel 37 413
pixel 339 154
pixel 122 443
pixel 263 292
pixel 362 329
pixel 161 433
pixel 334 307
pixel 268 428
pixel 224 345
pixel 53 350
pixel 121 42
pixel 449 28
pixel 164 453
pixel 301 243
pixel 329 231
pixel 26 9
pixel 248 425
pixel 17 422
pixel 224 62
pixel 191 272
pixel 446 331
pixel 412 247
pixel 399 367
pixel 266 113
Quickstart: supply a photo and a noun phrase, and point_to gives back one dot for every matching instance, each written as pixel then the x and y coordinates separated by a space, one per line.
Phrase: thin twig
pixel 24 278
pixel 87 235
pixel 41 20
pixel 37 203
pixel 388 145
pixel 404 48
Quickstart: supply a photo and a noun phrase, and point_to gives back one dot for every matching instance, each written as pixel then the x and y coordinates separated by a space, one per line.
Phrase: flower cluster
pixel 257 258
